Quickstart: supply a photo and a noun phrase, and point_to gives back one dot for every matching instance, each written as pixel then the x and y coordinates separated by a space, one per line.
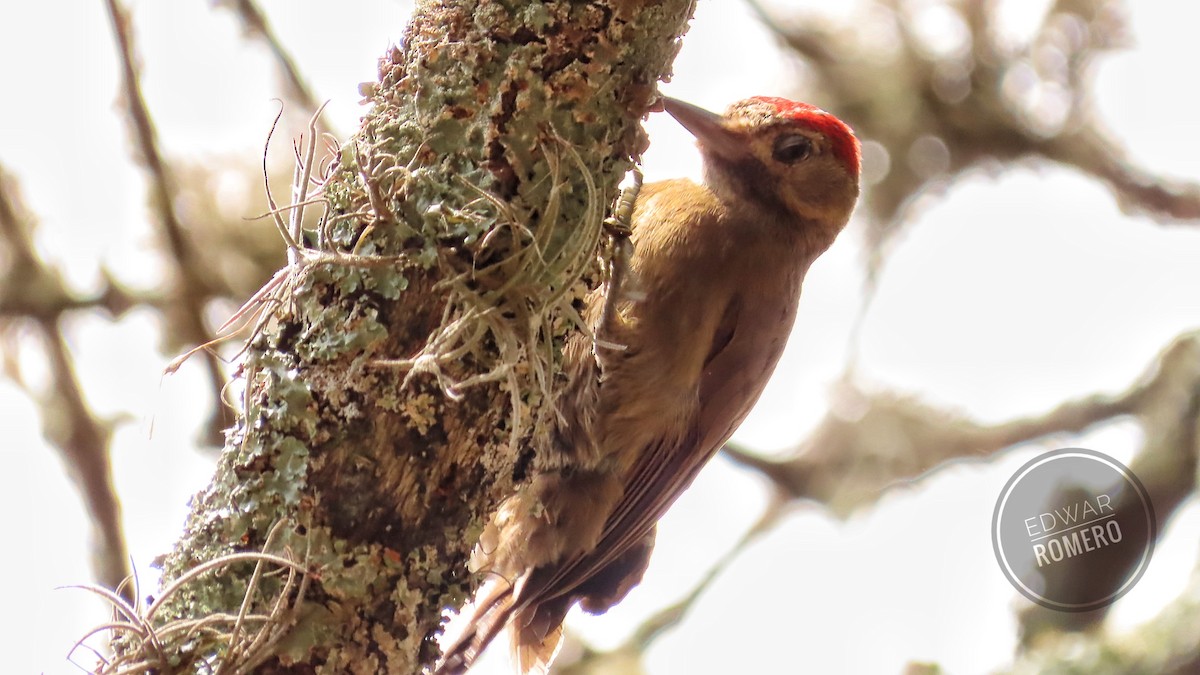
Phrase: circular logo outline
pixel 1127 475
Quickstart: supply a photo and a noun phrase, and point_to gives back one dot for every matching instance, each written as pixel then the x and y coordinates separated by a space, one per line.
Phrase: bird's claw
pixel 619 227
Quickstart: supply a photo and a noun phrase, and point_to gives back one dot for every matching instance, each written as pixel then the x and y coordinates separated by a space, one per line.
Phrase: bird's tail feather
pixel 535 628
pixel 533 657
pixel 537 635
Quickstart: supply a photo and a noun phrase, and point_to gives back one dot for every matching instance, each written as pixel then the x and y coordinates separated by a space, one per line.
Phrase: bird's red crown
pixel 845 144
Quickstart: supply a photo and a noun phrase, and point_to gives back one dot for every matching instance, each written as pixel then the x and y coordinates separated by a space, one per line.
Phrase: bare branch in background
pixel 191 287
pixel 33 296
pixel 255 24
pixel 870 442
pixel 934 107
pixel 1169 414
pixel 1165 645
pixel 1137 190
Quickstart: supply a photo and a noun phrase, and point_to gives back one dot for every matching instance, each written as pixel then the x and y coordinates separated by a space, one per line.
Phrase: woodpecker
pixel 682 355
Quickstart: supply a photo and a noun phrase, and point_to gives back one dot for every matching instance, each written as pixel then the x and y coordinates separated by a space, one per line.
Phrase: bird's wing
pixel 661 473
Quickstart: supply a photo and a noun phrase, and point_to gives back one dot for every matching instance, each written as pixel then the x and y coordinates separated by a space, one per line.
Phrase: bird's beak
pixel 708 128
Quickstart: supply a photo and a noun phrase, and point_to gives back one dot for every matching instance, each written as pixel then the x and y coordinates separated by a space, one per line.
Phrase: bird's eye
pixel 791 148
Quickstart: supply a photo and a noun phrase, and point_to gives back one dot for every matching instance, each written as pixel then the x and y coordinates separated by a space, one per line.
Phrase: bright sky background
pixel 1015 291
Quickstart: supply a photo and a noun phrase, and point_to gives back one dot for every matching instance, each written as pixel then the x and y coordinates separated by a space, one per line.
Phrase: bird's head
pixel 778 155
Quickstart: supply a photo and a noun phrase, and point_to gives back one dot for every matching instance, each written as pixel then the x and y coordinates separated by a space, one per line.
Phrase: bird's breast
pixel 716 301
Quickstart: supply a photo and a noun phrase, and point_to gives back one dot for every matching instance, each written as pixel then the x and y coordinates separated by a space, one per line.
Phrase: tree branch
pixel 400 374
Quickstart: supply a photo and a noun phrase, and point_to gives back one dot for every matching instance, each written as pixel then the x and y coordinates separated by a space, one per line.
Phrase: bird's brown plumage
pixel 715 279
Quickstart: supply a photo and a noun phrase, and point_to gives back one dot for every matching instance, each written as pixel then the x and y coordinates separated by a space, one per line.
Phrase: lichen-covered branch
pixel 402 366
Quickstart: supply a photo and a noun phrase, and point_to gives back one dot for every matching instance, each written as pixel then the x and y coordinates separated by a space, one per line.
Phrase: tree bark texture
pixel 404 375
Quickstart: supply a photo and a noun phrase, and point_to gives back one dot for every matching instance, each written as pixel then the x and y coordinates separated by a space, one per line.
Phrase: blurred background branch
pixel 256 26
pixel 936 96
pixel 191 289
pixel 34 299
